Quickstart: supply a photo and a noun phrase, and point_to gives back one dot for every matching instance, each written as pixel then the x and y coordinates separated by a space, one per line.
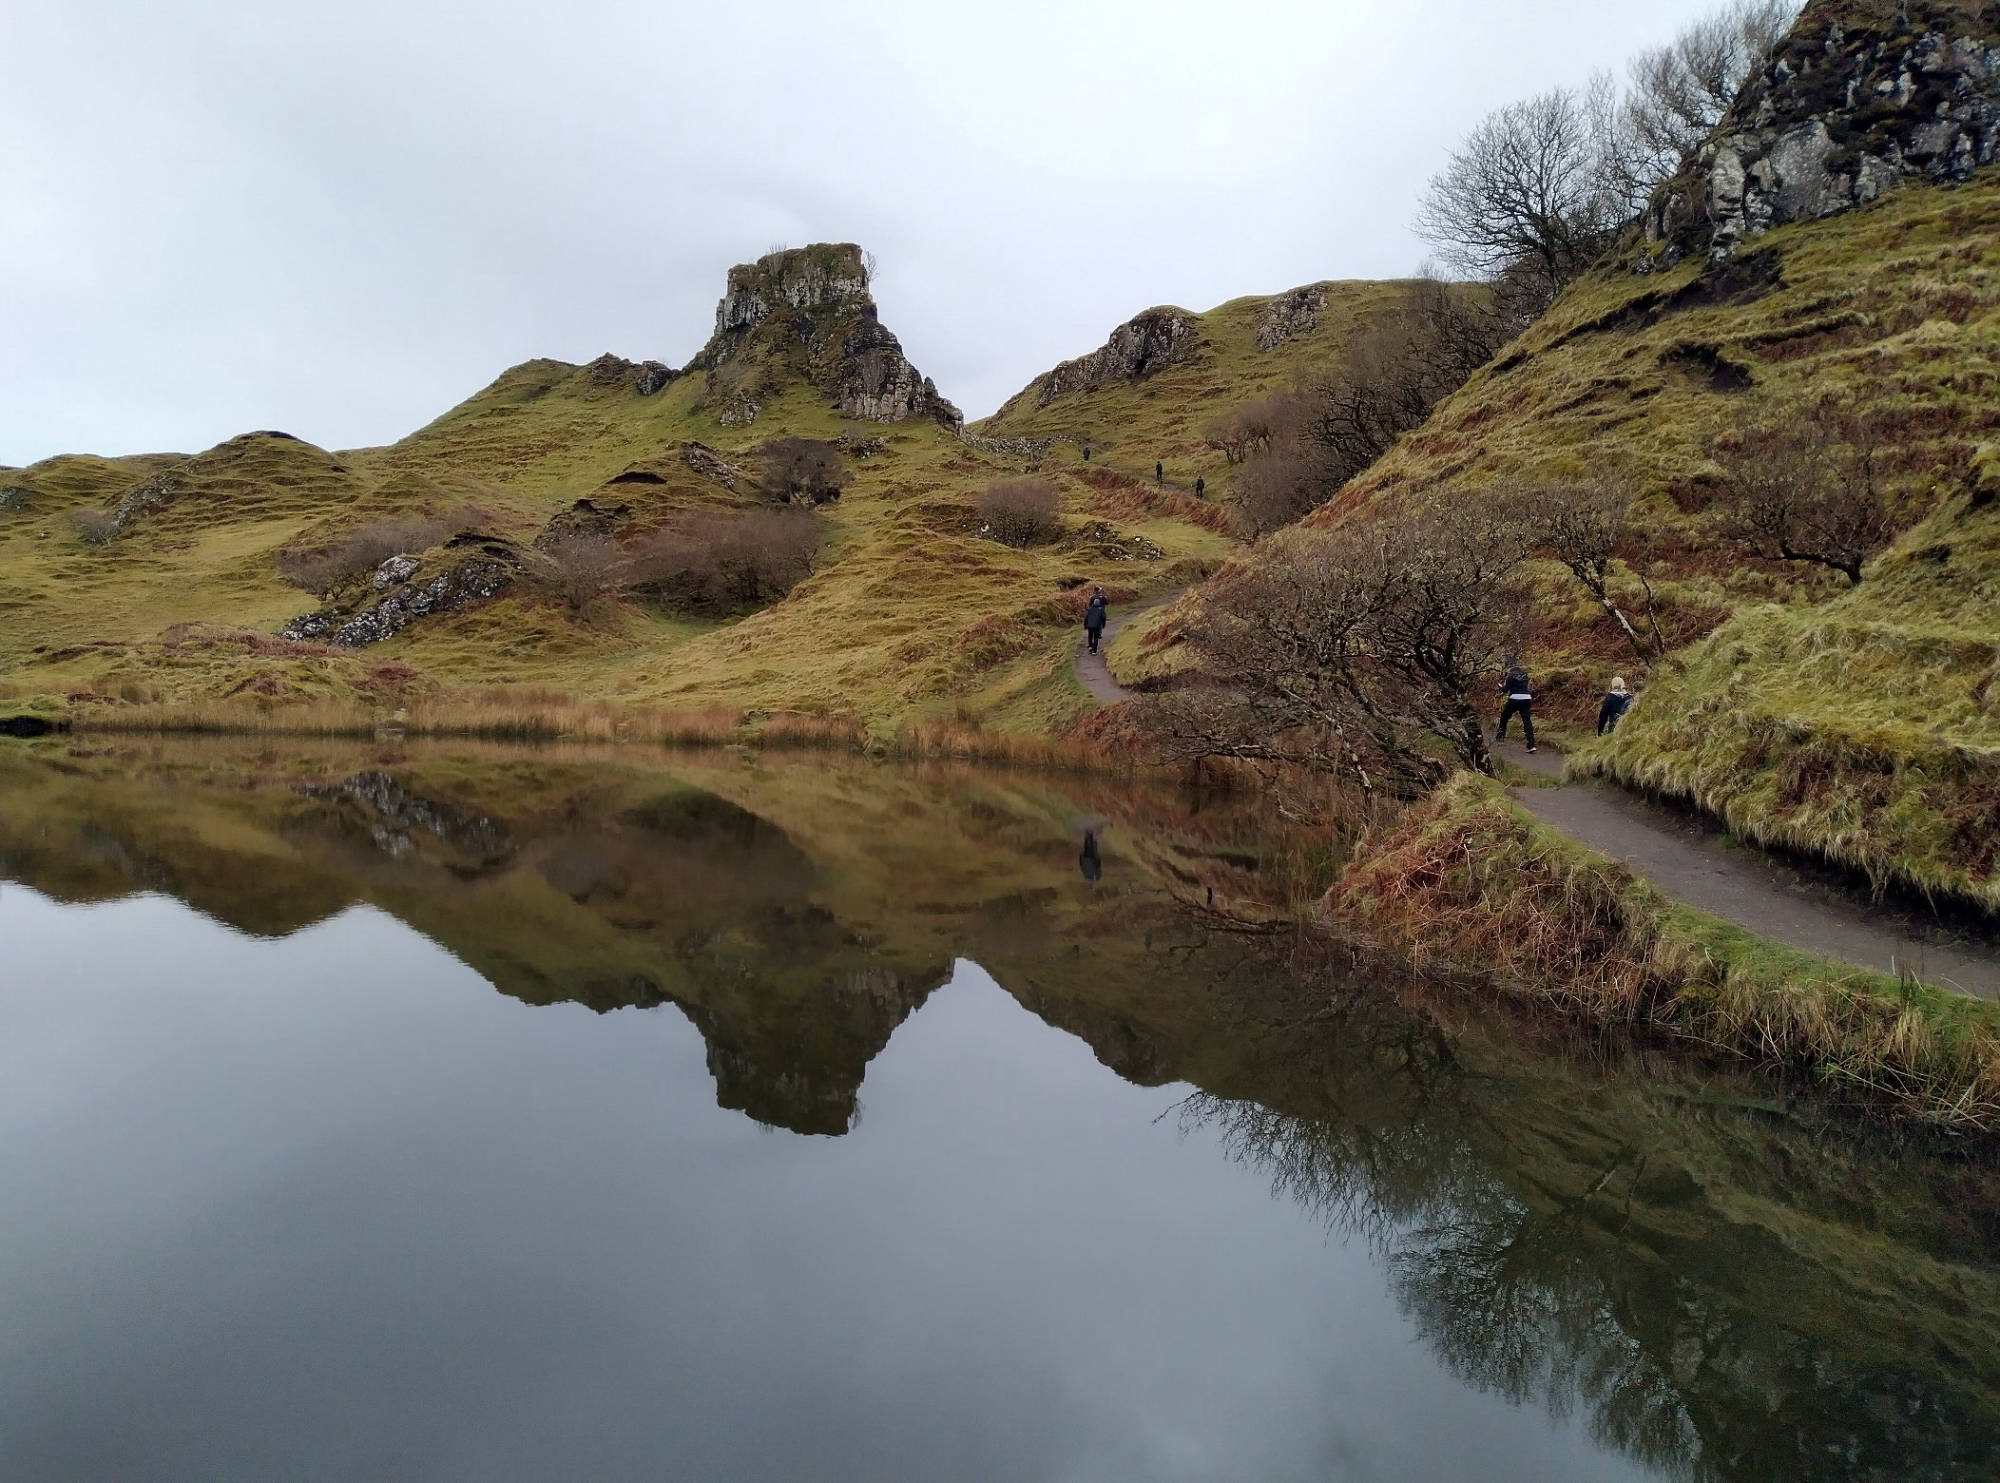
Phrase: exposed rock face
pixel 644 377
pixel 474 568
pixel 1142 346
pixel 806 313
pixel 15 496
pixel 1863 95
pixel 1290 314
pixel 395 570
pixel 705 463
pixel 582 520
pixel 154 494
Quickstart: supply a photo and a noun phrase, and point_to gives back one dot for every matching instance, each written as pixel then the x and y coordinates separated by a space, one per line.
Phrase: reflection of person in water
pixel 1090 862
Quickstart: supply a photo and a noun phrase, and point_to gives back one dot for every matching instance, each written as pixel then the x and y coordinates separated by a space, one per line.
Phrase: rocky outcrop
pixel 1861 96
pixel 470 569
pixel 582 521
pixel 705 463
pixel 1291 314
pixel 806 314
pixel 153 494
pixel 643 377
pixel 1143 346
pixel 14 497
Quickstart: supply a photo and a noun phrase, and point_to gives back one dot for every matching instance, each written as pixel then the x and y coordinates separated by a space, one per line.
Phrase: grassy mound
pixel 1469 882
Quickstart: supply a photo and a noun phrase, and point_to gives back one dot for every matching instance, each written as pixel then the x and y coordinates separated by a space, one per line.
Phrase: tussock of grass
pixel 1469 882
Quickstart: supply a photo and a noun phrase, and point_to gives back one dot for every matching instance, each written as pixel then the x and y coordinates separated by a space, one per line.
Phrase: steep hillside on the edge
pixel 1864 269
pixel 154 582
pixel 1149 393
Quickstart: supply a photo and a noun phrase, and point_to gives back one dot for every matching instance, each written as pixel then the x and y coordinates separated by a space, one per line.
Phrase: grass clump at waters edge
pixel 1468 882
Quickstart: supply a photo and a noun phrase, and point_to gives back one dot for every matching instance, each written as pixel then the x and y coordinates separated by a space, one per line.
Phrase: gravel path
pixel 1690 862
pixel 1091 668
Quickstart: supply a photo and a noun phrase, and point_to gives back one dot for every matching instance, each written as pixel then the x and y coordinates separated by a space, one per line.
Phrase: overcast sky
pixel 337 219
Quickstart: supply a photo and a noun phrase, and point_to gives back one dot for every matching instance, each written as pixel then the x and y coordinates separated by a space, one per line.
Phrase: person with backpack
pixel 1094 615
pixel 1520 702
pixel 1617 700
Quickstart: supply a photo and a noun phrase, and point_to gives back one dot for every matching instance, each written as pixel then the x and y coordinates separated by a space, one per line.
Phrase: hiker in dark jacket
pixel 1090 862
pixel 1200 488
pixel 1617 700
pixel 1094 615
pixel 1520 702
pixel 1159 473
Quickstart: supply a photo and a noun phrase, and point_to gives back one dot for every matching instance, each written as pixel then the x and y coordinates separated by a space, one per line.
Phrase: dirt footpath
pixel 1092 670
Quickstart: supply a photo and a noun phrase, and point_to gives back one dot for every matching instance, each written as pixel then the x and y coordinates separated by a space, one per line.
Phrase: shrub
pixel 1022 512
pixel 1804 490
pixel 94 527
pixel 581 568
pixel 803 470
pixel 343 564
pixel 728 560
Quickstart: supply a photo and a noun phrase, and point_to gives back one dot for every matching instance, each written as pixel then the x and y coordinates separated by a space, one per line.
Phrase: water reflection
pixel 1715 1286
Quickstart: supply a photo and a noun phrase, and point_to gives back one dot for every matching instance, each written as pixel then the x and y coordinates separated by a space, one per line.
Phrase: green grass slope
pixel 1858 725
pixel 912 612
pixel 1160 417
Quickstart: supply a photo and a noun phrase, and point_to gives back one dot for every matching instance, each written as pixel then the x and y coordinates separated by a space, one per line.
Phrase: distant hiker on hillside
pixel 1520 701
pixel 1086 453
pixel 1090 862
pixel 1159 473
pixel 1200 487
pixel 1617 700
pixel 1093 617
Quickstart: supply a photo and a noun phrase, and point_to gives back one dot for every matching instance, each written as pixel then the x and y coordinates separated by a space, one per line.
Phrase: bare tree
pixel 1336 423
pixel 1022 512
pixel 1679 92
pixel 1360 648
pixel 1247 431
pixel 727 560
pixel 1804 490
pixel 581 568
pixel 803 470
pixel 1584 526
pixel 95 527
pixel 1524 200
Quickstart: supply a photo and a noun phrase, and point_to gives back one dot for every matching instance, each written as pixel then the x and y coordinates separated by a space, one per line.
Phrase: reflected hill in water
pixel 1728 1286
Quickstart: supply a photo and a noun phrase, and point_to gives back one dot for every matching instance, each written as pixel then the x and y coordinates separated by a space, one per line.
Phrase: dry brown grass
pixel 1469 883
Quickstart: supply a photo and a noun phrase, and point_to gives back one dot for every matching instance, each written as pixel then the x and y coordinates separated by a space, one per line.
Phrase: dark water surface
pixel 442 1113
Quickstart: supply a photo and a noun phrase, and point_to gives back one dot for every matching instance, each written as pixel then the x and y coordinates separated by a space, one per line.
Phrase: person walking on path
pixel 1094 615
pixel 1617 700
pixel 1159 472
pixel 1520 702
pixel 1200 487
pixel 1086 453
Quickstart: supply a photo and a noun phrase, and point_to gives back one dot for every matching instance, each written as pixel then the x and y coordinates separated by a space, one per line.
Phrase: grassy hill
pixel 148 589
pixel 1167 374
